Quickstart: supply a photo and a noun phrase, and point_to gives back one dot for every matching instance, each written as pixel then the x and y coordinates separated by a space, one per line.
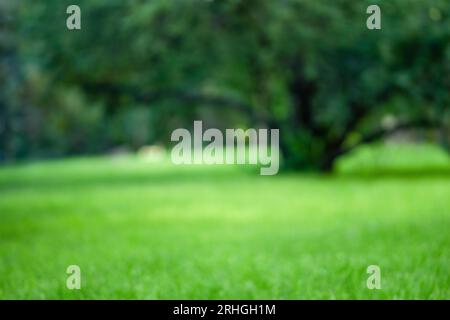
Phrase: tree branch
pixel 180 95
pixel 379 133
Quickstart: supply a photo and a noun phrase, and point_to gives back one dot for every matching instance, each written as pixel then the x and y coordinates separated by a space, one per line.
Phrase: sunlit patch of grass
pixel 385 158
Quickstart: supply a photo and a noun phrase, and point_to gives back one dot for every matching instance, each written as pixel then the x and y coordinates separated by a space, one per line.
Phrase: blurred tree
pixel 310 68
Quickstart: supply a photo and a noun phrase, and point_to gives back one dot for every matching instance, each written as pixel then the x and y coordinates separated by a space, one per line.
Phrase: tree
pixel 310 68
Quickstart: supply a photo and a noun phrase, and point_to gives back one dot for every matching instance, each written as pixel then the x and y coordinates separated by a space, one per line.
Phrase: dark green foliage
pixel 310 68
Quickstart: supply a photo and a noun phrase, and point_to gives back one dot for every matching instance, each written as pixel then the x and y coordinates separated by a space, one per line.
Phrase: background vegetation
pixel 139 69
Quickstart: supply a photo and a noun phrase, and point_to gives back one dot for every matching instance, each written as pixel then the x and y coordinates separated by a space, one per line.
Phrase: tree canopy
pixel 138 69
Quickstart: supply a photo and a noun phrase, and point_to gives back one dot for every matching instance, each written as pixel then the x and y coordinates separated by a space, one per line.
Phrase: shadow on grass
pixel 206 177
pixel 102 172
pixel 120 177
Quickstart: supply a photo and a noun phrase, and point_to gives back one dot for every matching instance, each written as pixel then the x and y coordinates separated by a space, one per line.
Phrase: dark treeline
pixel 138 69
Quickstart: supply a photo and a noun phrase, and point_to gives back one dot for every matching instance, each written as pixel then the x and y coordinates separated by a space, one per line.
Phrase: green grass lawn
pixel 142 230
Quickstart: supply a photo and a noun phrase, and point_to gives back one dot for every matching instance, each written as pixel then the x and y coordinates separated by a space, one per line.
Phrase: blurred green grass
pixel 156 231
